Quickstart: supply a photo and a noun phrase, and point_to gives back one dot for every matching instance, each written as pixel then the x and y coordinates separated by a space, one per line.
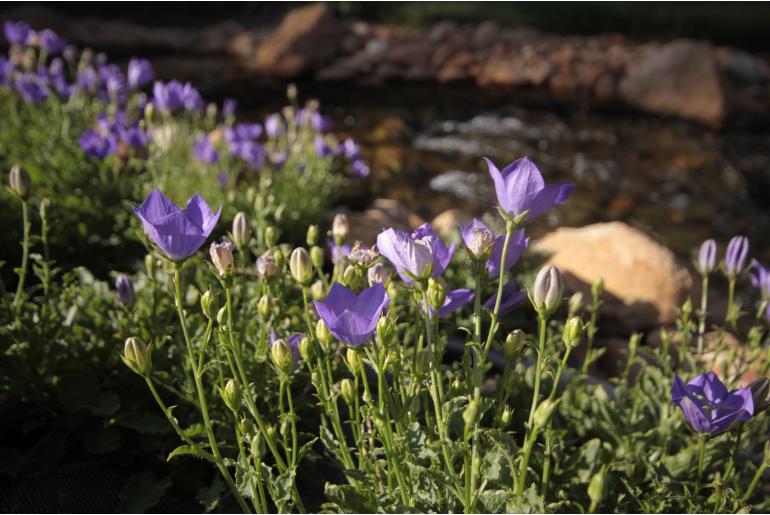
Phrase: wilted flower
pixel 735 257
pixel 205 152
pixel 478 238
pixel 178 233
pixel 708 406
pixel 548 290
pixel 512 297
pixel 17 32
pixel 139 72
pixel 292 341
pixel 352 318
pixel 361 255
pixel 377 274
pixel 416 256
pixel 340 227
pixel 266 266
pixel 454 300
pixel 222 256
pixel 520 188
pixel 125 288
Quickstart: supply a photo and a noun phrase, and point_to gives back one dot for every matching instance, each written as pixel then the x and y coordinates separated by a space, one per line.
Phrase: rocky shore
pixel 690 79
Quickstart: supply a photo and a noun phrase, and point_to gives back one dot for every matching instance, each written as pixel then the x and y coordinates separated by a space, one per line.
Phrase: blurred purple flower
pixel 352 318
pixel 293 343
pixel 418 255
pixel 735 257
pixel 708 406
pixel 274 126
pixel 17 32
pixel 760 278
pixel 205 152
pixel 133 136
pixel 125 289
pixel 339 253
pixel 139 72
pixel 252 153
pixel 6 68
pixel 98 145
pixel 321 148
pixel 520 188
pixel 455 299
pixel 178 233
pixel 169 97
pixel 511 298
pixel 243 132
pixel 51 42
pixel 229 106
pixel 32 88
pixel 350 149
pixel 359 168
pixel 88 80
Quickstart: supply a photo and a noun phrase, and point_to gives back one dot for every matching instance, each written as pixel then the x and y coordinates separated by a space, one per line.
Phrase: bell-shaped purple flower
pixel 736 255
pixel 520 188
pixel 760 278
pixel 708 406
pixel 292 341
pixel 243 132
pixel 512 297
pixel 453 301
pixel 18 32
pixel 51 42
pixel 205 152
pixel 179 233
pixel 707 257
pixel 419 255
pixel 168 97
pixel 139 72
pixel 352 318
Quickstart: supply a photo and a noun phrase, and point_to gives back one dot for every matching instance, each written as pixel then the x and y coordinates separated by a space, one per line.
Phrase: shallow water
pixel 679 181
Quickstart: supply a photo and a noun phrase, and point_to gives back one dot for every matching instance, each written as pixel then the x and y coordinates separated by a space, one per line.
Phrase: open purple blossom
pixel 174 96
pixel 88 80
pixel 98 145
pixel 350 149
pixel 179 233
pixel 512 297
pixel 133 136
pixel 352 318
pixel 113 80
pixel 205 152
pixel 455 299
pixel 760 278
pixel 421 254
pixel 321 148
pixel 229 106
pixel 32 88
pixel 139 72
pixel 251 152
pixel 274 126
pixel 18 32
pixel 707 404
pixel 736 255
pixel 292 341
pixel 520 188
pixel 338 252
pixel 51 42
pixel 6 68
pixel 243 132
pixel 707 256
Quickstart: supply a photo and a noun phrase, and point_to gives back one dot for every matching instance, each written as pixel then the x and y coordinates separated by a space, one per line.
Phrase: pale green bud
pixel 513 344
pixel 573 330
pixel 241 229
pixel 258 446
pixel 271 236
pixel 312 235
pixel 323 335
pixel 285 429
pixel 505 417
pixel 282 358
pixel 597 288
pixel 20 182
pixel 306 349
pixel 231 394
pixel 222 315
pixel 596 487
pixel 210 304
pixel 472 413
pixel 544 412
pixel 317 290
pixel 436 293
pixel 300 266
pixel 384 330
pixel 264 306
pixel 137 356
pixel 271 432
pixel 575 303
pixel 353 360
pixel 317 256
pixel 350 277
pixel 347 391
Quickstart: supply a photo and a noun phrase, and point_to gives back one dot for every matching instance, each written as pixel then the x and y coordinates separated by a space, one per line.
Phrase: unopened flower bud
pixel 547 290
pixel 306 349
pixel 687 308
pixel 266 266
pixel 436 293
pixel 340 228
pixel 231 394
pixel 241 229
pixel 544 412
pixel 597 288
pixel 707 257
pixel 281 354
pixel 149 264
pixel 300 266
pixel 20 182
pixel 317 290
pixel 377 274
pixel 312 235
pixel 210 304
pixel 575 303
pixel 264 306
pixel 505 417
pixel 137 356
pixel 513 344
pixel 271 236
pixel 596 487
pixel 285 429
pixel 353 360
pixel 222 315
pixel 384 330
pixel 125 289
pixel 222 256
pixel 317 256
pixel 291 92
pixel 472 413
pixel 258 446
pixel 573 330
pixel 347 391
pixel 349 277
pixel 323 335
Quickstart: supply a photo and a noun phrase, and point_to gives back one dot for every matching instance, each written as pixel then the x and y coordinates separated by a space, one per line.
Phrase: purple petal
pixel 199 212
pixel 156 206
pixel 511 298
pixel 516 247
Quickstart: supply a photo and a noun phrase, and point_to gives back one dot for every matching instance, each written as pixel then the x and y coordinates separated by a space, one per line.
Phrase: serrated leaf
pixel 189 450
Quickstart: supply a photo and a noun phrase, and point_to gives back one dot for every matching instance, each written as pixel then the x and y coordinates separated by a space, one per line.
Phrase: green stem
pixel 24 255
pixel 242 453
pixel 293 418
pixel 702 314
pixel 701 460
pixel 732 316
pixel 755 481
pixel 549 426
pixel 591 330
pixel 509 227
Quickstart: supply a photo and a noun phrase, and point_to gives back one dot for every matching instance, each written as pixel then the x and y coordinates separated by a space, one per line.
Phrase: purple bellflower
pixel 454 300
pixel 482 242
pixel 125 289
pixel 18 32
pixel 520 188
pixel 98 145
pixel 359 168
pixel 352 318
pixel 512 297
pixel 205 152
pixel 419 255
pixel 139 72
pixel 179 233
pixel 735 257
pixel 708 406
pixel 51 42
pixel 229 106
pixel 760 278
pixel 32 88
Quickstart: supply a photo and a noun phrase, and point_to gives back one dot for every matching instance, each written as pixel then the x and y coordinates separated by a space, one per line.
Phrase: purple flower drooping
pixel 292 341
pixel 179 233
pixel 520 188
pixel 708 406
pixel 421 254
pixel 139 72
pixel 454 300
pixel 707 256
pixel 18 32
pixel 512 297
pixel 205 152
pixel 736 255
pixel 352 318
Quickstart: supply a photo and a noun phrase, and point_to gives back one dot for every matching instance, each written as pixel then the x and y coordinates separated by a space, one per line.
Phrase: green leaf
pixel 189 450
pixel 348 499
pixel 494 501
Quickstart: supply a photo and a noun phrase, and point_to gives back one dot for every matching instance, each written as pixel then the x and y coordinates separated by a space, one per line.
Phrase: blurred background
pixel 659 112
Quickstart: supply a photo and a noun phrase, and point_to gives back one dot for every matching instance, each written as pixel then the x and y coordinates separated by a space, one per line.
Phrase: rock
pixel 306 38
pixel 446 222
pixel 681 78
pixel 383 213
pixel 643 283
pixel 742 66
pixel 391 128
pixel 731 360
pixel 485 35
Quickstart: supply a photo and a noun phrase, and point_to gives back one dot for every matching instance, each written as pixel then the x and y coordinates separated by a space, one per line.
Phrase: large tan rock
pixel 682 79
pixel 447 222
pixel 307 38
pixel 643 283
